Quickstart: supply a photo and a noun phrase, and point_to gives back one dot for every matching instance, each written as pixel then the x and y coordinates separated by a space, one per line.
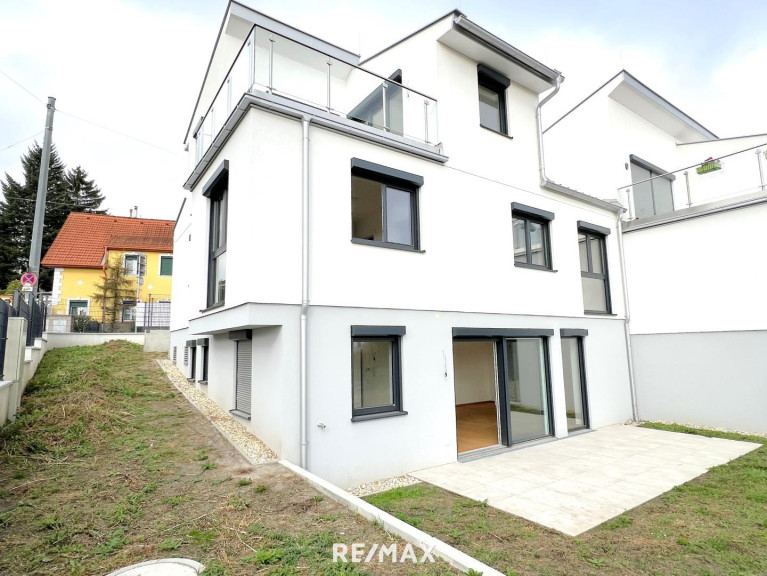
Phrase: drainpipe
pixel 627 321
pixel 304 278
pixel 541 162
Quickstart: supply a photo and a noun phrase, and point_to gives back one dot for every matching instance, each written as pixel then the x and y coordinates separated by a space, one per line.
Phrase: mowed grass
pixel 713 525
pixel 107 465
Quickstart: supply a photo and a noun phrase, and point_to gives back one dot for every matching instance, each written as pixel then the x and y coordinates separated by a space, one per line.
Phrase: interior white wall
pixel 474 372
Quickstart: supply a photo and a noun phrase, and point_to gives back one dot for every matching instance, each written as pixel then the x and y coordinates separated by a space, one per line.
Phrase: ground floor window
pixel 78 307
pixel 243 378
pixel 129 311
pixel 376 370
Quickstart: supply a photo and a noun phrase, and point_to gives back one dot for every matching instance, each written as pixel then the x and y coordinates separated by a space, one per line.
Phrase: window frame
pixel 394 335
pixel 134 256
pixel 159 265
pixel 498 83
pixel 592 231
pixel 216 189
pixel 579 336
pixel 87 306
pixel 656 174
pixel 128 303
pixel 537 216
pixel 397 180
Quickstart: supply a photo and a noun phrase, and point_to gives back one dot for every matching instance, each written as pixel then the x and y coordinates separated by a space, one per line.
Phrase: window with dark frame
pixel 532 246
pixel 216 189
pixel 128 310
pixel 574 371
pixel 376 371
pixel 384 206
pixel 492 99
pixel 166 265
pixel 653 191
pixel 130 264
pixel 594 274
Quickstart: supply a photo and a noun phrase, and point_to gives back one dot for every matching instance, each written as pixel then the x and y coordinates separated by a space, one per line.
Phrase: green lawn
pixel 715 524
pixel 107 465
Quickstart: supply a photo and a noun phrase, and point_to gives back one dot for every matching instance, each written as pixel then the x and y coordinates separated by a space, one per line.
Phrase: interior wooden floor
pixel 477 426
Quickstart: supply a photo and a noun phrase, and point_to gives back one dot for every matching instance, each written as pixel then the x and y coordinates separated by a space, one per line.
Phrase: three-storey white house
pixel 372 271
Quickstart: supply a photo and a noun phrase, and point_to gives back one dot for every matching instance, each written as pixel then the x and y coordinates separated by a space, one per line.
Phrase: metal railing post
pixel 426 120
pixel 271 64
pixel 630 202
pixel 330 63
pixel 687 182
pixel 761 173
pixel 385 115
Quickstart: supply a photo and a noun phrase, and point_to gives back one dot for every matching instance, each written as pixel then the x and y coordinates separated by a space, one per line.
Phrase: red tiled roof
pixel 82 240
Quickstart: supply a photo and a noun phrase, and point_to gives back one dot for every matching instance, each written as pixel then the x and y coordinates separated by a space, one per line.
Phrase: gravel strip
pixel 383 485
pixel 256 450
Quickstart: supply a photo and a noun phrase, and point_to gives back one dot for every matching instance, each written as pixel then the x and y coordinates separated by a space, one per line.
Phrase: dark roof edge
pixel 454 12
pixel 579 104
pixel 580 196
pixel 469 28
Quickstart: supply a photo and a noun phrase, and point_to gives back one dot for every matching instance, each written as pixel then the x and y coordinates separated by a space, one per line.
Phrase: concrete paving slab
pixel 577 483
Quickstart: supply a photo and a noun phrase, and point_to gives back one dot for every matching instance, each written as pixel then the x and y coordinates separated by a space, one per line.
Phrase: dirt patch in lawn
pixel 107 465
pixel 715 524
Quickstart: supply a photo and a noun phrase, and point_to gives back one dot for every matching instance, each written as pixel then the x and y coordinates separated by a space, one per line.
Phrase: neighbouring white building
pixel 372 271
pixel 696 222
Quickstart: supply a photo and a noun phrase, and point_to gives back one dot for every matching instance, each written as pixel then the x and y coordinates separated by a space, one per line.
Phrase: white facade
pixel 697 314
pixel 461 274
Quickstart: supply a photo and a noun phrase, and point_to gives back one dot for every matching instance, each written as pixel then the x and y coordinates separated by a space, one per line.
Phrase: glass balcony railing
pixel 717 178
pixel 269 62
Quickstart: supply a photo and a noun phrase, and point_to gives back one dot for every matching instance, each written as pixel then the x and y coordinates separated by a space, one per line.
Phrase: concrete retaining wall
pixel 64 340
pixel 157 341
pixel 703 378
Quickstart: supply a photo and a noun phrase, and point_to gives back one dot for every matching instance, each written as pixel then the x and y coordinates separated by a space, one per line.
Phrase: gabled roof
pixel 626 89
pixel 84 237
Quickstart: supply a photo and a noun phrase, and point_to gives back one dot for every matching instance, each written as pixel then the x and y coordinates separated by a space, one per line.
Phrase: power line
pixel 20 141
pixel 23 88
pixel 123 134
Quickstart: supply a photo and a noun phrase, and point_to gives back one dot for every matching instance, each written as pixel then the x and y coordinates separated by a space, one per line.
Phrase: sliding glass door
pixel 527 389
pixel 575 383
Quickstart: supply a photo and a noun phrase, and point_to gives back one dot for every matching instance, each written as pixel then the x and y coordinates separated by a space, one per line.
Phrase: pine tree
pixel 113 288
pixel 67 192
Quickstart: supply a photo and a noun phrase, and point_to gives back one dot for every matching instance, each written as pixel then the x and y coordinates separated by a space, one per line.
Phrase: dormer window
pixel 492 99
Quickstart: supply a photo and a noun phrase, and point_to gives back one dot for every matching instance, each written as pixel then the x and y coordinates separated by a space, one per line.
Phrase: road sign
pixel 28 278
pixel 26 288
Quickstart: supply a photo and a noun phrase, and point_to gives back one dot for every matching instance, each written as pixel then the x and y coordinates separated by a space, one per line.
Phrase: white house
pixel 692 246
pixel 372 271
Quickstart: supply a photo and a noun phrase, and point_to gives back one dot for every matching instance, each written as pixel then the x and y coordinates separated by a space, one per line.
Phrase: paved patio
pixel 577 483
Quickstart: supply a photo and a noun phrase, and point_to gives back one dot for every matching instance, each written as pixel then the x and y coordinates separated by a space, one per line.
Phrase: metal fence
pixel 34 314
pixel 5 313
pixel 154 314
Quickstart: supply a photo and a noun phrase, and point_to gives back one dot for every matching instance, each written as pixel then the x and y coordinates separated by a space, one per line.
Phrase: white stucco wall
pixel 698 275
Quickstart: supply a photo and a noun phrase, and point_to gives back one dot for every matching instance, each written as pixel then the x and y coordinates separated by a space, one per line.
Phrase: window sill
pixel 240 414
pixel 598 313
pixel 534 267
pixel 378 415
pixel 377 244
pixel 203 382
pixel 191 380
pixel 213 307
pixel 497 132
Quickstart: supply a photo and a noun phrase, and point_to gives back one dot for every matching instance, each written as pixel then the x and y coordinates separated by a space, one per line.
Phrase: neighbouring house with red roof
pixel 82 252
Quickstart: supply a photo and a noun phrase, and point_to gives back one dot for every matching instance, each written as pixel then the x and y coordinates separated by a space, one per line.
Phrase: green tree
pixel 70 191
pixel 13 285
pixel 113 288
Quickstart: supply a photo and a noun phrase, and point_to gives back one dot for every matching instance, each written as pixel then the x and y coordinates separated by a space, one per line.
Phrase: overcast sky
pixel 126 73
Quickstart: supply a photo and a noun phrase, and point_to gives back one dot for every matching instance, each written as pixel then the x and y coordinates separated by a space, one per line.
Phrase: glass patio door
pixel 527 389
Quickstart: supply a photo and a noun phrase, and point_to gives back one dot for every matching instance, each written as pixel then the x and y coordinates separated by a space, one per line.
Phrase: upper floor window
pixel 166 265
pixel 130 264
pixel 594 278
pixel 532 248
pixel 384 206
pixel 651 197
pixel 492 99
pixel 217 190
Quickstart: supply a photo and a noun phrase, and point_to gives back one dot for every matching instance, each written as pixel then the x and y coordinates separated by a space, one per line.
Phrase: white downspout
pixel 304 280
pixel 541 162
pixel 627 321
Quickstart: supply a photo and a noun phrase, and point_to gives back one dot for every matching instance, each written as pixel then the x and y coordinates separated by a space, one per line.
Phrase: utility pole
pixel 42 190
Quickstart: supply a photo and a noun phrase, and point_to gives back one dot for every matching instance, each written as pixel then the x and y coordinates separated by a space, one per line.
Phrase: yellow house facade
pixel 87 250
